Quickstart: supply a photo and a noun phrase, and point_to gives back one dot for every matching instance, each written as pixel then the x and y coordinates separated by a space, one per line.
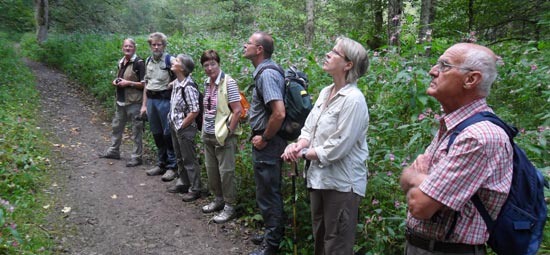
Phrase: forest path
pixel 115 209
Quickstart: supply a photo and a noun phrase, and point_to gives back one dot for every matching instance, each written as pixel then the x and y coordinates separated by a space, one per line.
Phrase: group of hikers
pixel 438 183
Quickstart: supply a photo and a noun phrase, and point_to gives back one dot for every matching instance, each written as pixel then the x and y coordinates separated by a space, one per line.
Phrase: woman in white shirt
pixel 334 139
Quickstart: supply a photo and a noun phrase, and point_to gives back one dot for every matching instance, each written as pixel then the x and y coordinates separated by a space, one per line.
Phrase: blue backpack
pixel 519 226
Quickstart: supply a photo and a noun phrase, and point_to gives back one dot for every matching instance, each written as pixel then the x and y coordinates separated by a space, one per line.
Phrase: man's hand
pixel 258 142
pixel 413 175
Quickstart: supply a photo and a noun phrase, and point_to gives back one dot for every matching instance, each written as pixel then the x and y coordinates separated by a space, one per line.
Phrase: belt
pixel 437 246
pixel 162 94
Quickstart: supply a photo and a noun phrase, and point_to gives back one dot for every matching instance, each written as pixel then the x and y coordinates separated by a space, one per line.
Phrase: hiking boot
pixel 227 214
pixel 257 239
pixel 134 162
pixel 214 206
pixel 110 155
pixel 266 250
pixel 169 176
pixel 178 189
pixel 155 171
pixel 191 196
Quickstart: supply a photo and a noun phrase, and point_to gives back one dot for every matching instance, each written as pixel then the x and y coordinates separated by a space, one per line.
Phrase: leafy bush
pixel 403 117
pixel 23 159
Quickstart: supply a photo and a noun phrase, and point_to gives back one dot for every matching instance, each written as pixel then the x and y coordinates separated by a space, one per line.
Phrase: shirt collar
pixel 182 83
pixel 456 117
pixel 345 90
pixel 266 61
pixel 132 59
pixel 220 77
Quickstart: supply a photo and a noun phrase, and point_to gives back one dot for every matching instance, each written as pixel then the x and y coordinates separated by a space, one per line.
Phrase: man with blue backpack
pixel 462 190
pixel 156 103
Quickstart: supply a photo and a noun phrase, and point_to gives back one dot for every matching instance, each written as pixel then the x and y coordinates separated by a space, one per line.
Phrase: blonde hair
pixel 357 54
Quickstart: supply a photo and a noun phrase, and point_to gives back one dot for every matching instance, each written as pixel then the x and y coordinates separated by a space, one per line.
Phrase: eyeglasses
pixel 339 54
pixel 444 67
pixel 250 43
pixel 210 65
pixel 157 44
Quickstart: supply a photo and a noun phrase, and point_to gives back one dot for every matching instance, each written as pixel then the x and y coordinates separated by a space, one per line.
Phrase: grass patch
pixel 24 160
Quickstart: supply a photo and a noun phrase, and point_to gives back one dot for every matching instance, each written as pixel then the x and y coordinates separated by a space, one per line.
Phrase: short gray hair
pixel 158 36
pixel 357 54
pixel 129 40
pixel 484 61
pixel 187 63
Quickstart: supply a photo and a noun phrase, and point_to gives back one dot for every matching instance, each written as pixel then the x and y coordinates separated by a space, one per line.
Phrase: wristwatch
pixel 304 152
pixel 264 137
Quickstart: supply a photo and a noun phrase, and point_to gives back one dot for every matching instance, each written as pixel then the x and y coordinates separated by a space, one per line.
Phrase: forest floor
pixel 100 206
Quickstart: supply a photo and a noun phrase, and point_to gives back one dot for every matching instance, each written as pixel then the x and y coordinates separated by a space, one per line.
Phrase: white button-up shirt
pixel 337 132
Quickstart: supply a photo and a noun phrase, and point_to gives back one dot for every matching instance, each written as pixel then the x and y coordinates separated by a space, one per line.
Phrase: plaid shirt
pixel 178 108
pixel 480 160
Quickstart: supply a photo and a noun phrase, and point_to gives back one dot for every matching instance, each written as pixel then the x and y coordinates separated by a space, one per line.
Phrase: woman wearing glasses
pixel 334 139
pixel 222 109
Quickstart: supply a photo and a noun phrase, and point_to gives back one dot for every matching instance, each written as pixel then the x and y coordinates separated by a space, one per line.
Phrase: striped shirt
pixel 480 160
pixel 178 108
pixel 211 100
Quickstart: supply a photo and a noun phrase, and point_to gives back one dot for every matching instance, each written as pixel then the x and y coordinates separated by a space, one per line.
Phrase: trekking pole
pixel 294 174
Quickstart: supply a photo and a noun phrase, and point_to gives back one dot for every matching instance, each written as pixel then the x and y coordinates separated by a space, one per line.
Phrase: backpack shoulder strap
pixel 274 67
pixel 510 131
pixel 167 62
pixel 189 83
pixel 481 116
pixel 134 66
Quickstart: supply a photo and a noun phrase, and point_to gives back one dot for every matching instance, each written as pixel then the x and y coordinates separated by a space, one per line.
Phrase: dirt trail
pixel 115 209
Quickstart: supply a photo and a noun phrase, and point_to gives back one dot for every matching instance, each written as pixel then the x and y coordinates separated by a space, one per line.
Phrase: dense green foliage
pixel 85 43
pixel 23 159
pixel 490 20
pixel 402 116
pixel 16 15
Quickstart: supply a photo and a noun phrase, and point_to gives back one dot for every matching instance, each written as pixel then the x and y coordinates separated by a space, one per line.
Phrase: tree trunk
pixel 376 41
pixel 395 9
pixel 427 16
pixel 42 10
pixel 471 15
pixel 310 23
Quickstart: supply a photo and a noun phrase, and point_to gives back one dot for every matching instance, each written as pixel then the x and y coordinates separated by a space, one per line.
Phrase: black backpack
pixel 198 119
pixel 519 226
pixel 167 64
pixel 298 102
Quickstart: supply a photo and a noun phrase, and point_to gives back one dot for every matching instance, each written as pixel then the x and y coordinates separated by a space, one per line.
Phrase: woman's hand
pixel 292 152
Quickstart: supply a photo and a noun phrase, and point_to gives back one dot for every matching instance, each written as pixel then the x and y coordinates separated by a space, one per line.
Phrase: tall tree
pixel 42 20
pixel 395 10
pixel 310 23
pixel 375 41
pixel 427 17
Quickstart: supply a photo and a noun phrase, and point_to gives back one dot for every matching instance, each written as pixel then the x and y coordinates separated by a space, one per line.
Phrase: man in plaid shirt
pixel 440 183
